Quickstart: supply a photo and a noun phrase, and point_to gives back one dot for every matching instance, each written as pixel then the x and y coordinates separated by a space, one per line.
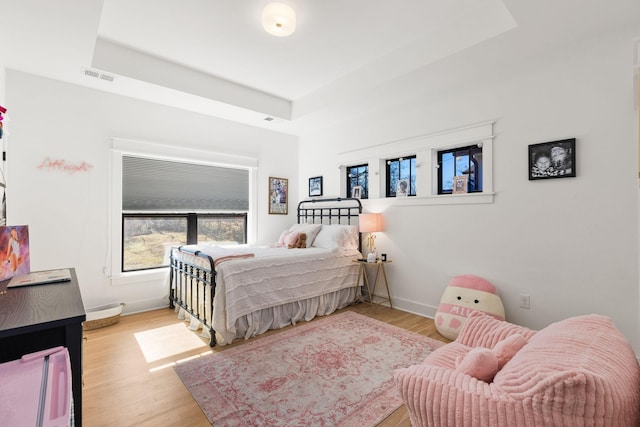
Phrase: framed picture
pixel 356 192
pixel 402 188
pixel 278 196
pixel 555 159
pixel 14 251
pixel 315 186
pixel 460 184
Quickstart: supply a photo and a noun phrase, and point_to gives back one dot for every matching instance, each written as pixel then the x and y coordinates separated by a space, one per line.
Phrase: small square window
pixel 401 177
pixel 358 176
pixel 458 162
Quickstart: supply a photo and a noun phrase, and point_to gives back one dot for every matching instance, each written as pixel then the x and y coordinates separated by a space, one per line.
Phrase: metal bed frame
pixel 185 275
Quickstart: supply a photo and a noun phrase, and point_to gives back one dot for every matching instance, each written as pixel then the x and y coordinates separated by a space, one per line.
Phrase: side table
pixel 380 271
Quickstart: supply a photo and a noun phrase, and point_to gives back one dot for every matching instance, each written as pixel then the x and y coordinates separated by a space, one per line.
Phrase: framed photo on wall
pixel 278 196
pixel 315 186
pixel 555 159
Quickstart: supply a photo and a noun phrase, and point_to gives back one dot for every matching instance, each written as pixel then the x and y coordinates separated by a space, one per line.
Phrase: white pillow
pixel 311 230
pixel 337 236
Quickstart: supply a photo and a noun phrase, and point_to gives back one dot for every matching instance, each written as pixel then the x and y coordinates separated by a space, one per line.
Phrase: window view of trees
pixel 148 238
pixel 401 177
pixel 458 162
pixel 358 176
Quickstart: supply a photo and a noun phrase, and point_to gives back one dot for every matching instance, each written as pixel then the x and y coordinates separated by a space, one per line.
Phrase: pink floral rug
pixel 334 371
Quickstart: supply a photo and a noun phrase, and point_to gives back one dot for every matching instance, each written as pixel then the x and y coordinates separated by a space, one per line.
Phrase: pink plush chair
pixel 577 372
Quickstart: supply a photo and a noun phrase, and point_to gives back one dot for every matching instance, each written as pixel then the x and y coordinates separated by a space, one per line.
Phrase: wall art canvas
pixel 14 251
pixel 315 186
pixel 278 196
pixel 555 159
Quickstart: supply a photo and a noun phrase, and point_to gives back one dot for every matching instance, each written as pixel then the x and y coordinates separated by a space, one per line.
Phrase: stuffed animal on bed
pixel 465 294
pixel 301 241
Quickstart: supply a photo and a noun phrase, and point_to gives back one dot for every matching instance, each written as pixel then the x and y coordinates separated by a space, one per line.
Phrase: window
pixel 458 162
pixel 401 177
pixel 358 176
pixel 166 203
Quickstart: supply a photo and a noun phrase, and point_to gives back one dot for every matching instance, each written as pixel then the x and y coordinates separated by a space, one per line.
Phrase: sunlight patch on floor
pixel 160 343
pixel 169 365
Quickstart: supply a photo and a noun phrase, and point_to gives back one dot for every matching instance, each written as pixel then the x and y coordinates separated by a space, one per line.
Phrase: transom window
pixel 401 177
pixel 358 181
pixel 458 162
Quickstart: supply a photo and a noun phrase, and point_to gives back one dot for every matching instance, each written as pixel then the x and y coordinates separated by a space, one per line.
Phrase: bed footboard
pixel 190 283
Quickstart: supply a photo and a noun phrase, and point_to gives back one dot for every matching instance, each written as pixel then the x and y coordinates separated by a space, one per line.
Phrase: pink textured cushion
pixel 480 363
pixel 507 348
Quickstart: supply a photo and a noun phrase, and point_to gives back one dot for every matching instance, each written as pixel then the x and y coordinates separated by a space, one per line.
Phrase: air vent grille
pixel 98 75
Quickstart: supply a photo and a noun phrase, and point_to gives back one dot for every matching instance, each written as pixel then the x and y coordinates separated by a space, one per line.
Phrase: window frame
pixel 349 190
pixel 425 147
pixel 478 173
pixel 191 232
pixel 390 192
pixel 120 147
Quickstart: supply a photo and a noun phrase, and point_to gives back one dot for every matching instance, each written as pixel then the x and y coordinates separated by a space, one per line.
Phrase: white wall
pixel 571 244
pixel 68 213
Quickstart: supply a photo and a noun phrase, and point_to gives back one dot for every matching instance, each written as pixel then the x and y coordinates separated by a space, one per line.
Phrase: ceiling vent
pixel 98 75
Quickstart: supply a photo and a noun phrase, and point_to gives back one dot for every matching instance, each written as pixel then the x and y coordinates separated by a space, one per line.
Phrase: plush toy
pixel 483 363
pixel 480 363
pixel 508 347
pixel 465 294
pixel 296 240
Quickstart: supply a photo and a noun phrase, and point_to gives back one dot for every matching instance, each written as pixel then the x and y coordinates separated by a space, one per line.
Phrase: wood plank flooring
pixel 129 379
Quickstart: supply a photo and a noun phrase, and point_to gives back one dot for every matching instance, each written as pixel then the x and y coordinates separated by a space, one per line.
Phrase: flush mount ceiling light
pixel 279 19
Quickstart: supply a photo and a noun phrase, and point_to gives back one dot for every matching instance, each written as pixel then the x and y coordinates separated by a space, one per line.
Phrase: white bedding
pixel 276 287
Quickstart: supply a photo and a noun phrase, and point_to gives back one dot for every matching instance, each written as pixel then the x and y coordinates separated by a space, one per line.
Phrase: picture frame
pixel 555 159
pixel 460 183
pixel 402 188
pixel 278 196
pixel 15 250
pixel 356 192
pixel 315 186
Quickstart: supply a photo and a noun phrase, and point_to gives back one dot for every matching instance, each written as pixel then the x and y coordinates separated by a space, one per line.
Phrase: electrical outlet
pixel 524 301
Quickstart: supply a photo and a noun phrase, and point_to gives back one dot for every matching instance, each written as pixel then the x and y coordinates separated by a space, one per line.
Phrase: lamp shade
pixel 370 222
pixel 279 19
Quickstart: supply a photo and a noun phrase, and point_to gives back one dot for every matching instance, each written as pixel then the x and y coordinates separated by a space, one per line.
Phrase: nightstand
pixel 380 271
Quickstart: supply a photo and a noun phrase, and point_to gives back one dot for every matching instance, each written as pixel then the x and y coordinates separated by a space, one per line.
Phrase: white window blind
pixel 161 186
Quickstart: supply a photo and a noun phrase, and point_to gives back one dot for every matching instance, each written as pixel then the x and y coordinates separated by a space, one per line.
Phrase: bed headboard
pixel 330 211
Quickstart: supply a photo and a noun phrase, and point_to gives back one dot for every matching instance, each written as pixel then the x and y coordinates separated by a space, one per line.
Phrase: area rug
pixel 334 371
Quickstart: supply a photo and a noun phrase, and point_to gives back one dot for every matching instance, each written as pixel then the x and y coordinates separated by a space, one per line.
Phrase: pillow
pixel 290 239
pixel 282 238
pixel 337 236
pixel 311 230
pixel 507 348
pixel 480 363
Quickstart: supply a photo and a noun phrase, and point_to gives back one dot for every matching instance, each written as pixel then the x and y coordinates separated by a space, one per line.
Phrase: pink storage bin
pixel 36 390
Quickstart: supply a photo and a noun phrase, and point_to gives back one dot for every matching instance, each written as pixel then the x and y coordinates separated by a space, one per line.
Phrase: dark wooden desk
pixel 34 318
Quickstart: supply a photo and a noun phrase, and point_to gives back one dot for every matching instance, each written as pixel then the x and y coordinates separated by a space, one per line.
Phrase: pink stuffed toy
pixel 465 294
pixel 508 347
pixel 480 363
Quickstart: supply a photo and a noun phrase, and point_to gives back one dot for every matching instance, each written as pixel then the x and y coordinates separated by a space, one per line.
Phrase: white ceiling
pixel 346 56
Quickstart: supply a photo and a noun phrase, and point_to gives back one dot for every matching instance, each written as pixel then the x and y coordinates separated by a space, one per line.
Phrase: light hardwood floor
pixel 128 375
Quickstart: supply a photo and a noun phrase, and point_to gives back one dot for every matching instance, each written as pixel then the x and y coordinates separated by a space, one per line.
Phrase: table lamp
pixel 370 223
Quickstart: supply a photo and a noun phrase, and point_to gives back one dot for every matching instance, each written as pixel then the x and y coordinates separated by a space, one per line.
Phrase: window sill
pixel 443 199
pixel 138 277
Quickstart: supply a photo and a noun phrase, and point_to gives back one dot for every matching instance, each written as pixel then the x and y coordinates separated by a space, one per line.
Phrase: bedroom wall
pixel 571 244
pixel 68 213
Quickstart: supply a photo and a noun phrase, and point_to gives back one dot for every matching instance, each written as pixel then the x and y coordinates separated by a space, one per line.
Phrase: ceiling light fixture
pixel 279 19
